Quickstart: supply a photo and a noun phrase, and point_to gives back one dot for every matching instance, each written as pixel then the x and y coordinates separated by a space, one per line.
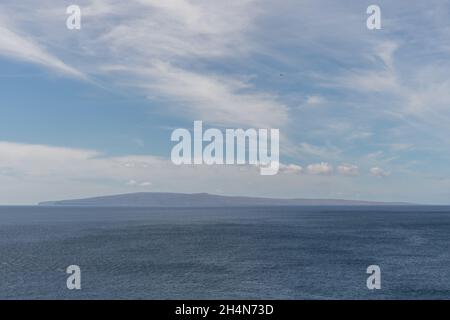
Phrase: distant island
pixel 161 199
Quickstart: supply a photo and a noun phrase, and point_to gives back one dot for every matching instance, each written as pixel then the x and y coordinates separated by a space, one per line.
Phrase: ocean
pixel 225 253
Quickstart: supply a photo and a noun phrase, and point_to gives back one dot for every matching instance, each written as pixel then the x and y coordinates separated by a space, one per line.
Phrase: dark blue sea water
pixel 233 253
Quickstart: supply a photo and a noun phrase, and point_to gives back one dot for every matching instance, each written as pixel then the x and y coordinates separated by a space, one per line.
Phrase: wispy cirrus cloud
pixel 20 47
pixel 215 99
pixel 159 39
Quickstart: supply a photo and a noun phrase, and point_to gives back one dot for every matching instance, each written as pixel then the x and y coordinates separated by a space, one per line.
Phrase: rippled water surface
pixel 232 253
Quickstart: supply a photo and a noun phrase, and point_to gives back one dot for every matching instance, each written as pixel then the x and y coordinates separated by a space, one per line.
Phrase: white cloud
pixel 320 168
pixel 348 169
pixel 290 169
pixel 314 100
pixel 131 182
pixel 139 184
pixel 378 172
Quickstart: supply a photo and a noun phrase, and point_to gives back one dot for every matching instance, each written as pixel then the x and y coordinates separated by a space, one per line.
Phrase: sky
pixel 363 114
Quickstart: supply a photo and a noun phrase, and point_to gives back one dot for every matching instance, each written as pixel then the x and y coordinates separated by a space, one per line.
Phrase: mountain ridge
pixel 168 199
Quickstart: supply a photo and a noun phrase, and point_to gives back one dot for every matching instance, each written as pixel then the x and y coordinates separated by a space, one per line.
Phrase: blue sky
pixel 363 114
